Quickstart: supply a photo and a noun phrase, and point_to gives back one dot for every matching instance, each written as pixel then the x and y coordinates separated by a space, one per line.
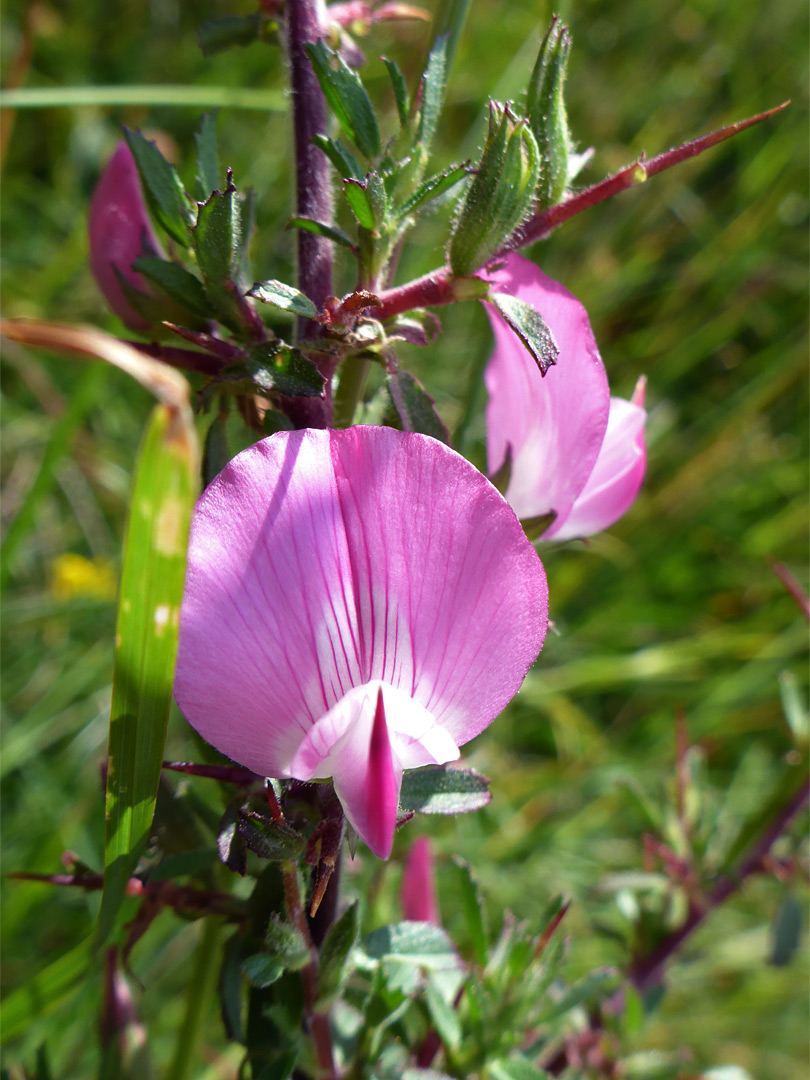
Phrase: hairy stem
pixel 439 286
pixel 317 1022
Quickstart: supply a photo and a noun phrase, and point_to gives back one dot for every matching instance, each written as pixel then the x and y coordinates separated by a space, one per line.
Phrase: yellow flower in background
pixel 75 576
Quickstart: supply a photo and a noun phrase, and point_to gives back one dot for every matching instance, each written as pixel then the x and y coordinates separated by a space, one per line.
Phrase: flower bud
pixel 500 195
pixel 545 108
pixel 418 895
pixel 119 231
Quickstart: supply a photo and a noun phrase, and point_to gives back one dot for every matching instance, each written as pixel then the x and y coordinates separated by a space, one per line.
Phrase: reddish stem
pixel 436 288
pixel 793 587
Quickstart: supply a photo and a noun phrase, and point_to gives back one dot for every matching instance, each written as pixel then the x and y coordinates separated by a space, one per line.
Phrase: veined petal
pixel 554 425
pixel 323 563
pixel 617 475
pixel 119 231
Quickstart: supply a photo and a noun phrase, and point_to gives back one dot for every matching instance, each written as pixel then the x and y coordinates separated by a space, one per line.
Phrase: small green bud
pixel 500 195
pixel 545 108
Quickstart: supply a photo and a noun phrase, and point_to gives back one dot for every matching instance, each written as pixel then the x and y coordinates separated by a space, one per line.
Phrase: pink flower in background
pixel 418 893
pixel 120 231
pixel 575 450
pixel 357 603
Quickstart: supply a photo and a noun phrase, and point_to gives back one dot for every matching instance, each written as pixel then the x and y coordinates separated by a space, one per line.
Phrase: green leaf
pixel 433 187
pixel 164 192
pixel 443 789
pixel 208 177
pixel 444 1017
pixel 263 970
pixel 359 199
pixel 317 227
pixel 152 580
pixel 344 161
pixel 400 91
pixel 183 287
pixel 347 98
pixel 587 990
pixel 529 325
pixel 218 34
pixel 246 202
pixel 514 1068
pixel 283 296
pixel 434 83
pixel 785 931
pixel 269 839
pixel 217 241
pixel 334 954
pixel 414 406
pixel 416 943
pixel 425 1074
pixel 472 909
pixel 276 367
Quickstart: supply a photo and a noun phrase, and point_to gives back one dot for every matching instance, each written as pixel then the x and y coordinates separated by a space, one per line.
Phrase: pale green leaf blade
pixel 146 643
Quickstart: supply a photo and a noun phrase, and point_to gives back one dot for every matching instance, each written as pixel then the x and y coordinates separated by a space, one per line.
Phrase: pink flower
pixel 419 902
pixel 120 231
pixel 576 451
pixel 357 603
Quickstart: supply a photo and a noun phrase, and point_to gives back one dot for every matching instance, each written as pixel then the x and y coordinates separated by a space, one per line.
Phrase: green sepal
pixel 164 192
pixel 529 325
pixel 269 839
pixel 500 195
pixel 346 97
pixel 547 117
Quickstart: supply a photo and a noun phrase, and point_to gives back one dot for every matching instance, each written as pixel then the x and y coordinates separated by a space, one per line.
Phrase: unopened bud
pixel 120 231
pixel 500 195
pixel 419 903
pixel 545 108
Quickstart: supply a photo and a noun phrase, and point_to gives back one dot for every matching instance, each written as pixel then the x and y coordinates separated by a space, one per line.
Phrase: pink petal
pixel 617 475
pixel 321 562
pixel 120 231
pixel 419 902
pixel 554 425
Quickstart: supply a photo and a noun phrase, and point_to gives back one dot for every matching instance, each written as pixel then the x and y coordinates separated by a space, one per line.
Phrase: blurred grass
pixel 698 278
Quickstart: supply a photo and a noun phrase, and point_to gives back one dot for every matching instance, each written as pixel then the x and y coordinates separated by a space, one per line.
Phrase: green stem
pixel 200 988
pixel 353 375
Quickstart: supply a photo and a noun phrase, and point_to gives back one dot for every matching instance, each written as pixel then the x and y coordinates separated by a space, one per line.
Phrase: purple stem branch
pixel 646 970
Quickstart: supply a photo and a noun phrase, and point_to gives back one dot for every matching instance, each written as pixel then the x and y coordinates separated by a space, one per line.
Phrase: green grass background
pixel 698 279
